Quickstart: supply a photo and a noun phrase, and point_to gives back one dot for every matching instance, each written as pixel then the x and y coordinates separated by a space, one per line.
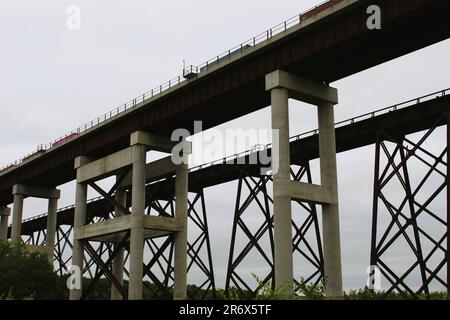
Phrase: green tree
pixel 312 291
pixel 25 275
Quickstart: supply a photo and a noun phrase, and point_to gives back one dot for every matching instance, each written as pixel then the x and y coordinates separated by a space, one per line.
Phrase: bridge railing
pixel 175 81
pixel 60 210
pixel 365 116
pixel 378 112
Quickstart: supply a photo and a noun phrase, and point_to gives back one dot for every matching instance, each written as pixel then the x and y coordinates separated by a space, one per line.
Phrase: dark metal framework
pixel 392 145
pixel 199 249
pixel 63 249
pixel 418 223
pixel 310 52
pixel 159 269
pixel 260 241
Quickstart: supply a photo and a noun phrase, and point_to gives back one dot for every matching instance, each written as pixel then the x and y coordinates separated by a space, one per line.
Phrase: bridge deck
pixel 329 47
pixel 403 119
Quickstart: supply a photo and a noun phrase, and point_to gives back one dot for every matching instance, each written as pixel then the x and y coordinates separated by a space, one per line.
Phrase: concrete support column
pixel 137 222
pixel 281 201
pixel 51 227
pixel 4 217
pixel 118 262
pixel 16 231
pixel 181 214
pixel 79 221
pixel 282 86
pixel 330 212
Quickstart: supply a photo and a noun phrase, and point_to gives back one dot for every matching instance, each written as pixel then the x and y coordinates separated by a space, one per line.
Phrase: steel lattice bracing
pixel 254 240
pixel 395 123
pixel 63 248
pixel 159 267
pixel 409 213
pixel 199 249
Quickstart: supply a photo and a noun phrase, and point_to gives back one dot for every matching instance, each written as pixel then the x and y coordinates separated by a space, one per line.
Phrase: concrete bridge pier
pixel 131 170
pixel 181 237
pixel 79 221
pixel 16 228
pixel 118 261
pixel 21 192
pixel 330 210
pixel 283 86
pixel 4 217
pixel 137 222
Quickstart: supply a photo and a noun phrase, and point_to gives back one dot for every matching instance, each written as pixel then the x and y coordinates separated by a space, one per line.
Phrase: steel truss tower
pixel 248 239
pixel 409 213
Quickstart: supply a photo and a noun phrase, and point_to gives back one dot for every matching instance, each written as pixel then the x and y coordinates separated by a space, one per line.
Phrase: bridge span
pixel 398 121
pixel 326 48
pixel 297 59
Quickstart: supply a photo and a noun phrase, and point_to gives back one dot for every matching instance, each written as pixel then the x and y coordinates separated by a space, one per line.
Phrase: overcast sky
pixel 54 79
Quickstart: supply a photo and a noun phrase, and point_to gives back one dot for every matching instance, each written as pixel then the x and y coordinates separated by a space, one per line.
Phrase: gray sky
pixel 54 80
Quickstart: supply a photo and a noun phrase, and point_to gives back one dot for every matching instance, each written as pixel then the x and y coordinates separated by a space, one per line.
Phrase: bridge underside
pixel 335 47
pixel 139 229
pixel 408 222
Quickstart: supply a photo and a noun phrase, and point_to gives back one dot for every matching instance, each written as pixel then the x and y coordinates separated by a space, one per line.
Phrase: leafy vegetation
pixel 266 292
pixel 367 294
pixel 312 291
pixel 25 275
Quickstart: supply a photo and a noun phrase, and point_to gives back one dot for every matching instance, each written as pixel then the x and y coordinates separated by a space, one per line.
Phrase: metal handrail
pixel 395 107
pixel 72 206
pixel 285 25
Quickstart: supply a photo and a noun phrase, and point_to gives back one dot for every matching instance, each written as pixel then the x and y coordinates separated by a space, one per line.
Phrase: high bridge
pixel 297 59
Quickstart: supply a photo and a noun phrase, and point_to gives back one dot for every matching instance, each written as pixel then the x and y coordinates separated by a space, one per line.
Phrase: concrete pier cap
pixel 36 192
pixel 158 143
pixel 5 211
pixel 301 89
